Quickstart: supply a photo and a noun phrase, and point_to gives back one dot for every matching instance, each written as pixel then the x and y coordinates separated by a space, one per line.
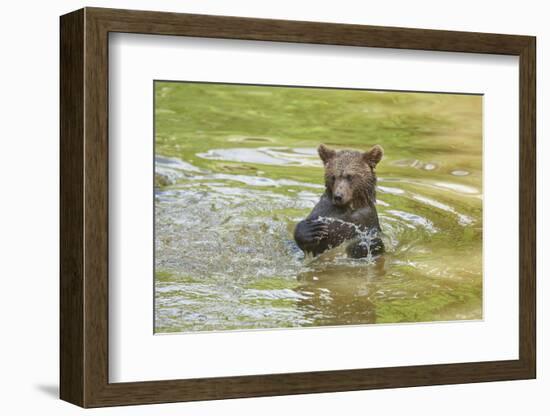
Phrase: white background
pixel 29 218
pixel 136 355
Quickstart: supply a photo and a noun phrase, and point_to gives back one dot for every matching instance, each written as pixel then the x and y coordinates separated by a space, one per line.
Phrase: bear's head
pixel 350 178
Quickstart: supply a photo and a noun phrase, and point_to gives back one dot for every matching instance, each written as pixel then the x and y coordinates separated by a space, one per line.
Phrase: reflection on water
pixel 266 156
pixel 226 204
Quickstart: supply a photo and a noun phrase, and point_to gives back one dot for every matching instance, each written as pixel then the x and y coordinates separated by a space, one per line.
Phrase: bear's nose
pixel 337 198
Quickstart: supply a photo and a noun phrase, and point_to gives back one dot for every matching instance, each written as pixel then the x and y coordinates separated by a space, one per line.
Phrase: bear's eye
pixel 349 177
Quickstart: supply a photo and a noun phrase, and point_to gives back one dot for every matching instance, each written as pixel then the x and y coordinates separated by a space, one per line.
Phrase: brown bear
pixel 346 211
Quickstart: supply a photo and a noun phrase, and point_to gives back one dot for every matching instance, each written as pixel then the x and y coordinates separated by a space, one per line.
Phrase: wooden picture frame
pixel 84 207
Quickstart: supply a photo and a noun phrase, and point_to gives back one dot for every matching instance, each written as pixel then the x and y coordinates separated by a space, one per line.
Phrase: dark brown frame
pixel 84 207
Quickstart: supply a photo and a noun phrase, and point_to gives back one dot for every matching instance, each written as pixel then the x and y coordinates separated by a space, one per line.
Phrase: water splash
pixel 364 238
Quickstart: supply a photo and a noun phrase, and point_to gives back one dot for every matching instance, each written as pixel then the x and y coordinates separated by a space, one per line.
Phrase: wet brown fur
pixel 350 196
pixel 352 173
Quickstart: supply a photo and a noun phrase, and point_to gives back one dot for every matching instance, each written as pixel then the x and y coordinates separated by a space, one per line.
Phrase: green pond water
pixel 236 168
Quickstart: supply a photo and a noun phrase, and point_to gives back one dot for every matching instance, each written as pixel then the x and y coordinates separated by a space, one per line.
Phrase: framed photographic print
pixel 255 207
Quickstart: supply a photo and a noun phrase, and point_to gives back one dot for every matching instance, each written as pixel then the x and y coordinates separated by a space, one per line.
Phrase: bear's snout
pixel 342 193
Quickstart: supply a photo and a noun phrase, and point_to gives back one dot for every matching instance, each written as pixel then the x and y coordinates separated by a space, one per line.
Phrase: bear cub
pixel 347 207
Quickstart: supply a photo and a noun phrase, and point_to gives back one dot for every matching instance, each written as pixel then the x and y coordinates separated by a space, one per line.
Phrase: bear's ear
pixel 325 153
pixel 374 155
